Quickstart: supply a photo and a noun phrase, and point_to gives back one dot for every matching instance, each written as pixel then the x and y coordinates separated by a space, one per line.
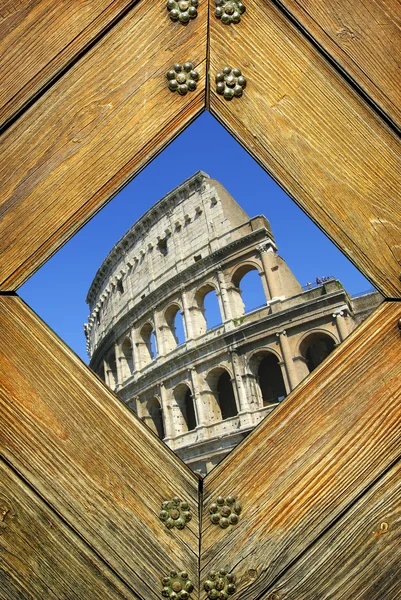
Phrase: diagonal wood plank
pixel 92 131
pixel 359 557
pixel 39 38
pixel 40 557
pixel 92 459
pixel 363 38
pixel 315 136
pixel 317 453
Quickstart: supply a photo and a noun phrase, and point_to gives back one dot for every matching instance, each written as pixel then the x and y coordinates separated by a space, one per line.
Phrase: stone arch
pixel 171 337
pixel 252 295
pixel 184 399
pixel 146 347
pixel 201 324
pixel 127 358
pixel 154 416
pixel 315 346
pixel 265 366
pixel 220 384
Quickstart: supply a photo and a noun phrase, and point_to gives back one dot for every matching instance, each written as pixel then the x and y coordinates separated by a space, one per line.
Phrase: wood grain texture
pixel 358 558
pixel 41 557
pixel 92 132
pixel 315 136
pixel 364 39
pixel 39 38
pixel 306 463
pixel 89 456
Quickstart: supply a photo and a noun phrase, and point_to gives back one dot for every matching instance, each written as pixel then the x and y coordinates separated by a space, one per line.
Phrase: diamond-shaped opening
pixel 211 294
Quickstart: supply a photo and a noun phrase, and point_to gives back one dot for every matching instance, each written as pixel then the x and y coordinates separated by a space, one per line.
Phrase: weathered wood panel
pixel 358 558
pixel 92 131
pixel 89 456
pixel 331 152
pixel 363 38
pixel 39 38
pixel 305 465
pixel 41 557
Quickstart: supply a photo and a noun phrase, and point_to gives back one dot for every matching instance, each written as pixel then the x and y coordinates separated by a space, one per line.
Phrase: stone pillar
pixel 227 314
pixel 266 251
pixel 158 330
pixel 106 373
pixel 288 361
pixel 341 325
pixel 118 364
pixel 167 412
pixel 189 332
pixel 241 393
pixel 197 399
pixel 135 350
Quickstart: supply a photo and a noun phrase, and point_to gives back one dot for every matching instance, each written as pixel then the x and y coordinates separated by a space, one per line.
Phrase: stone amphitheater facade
pixel 204 395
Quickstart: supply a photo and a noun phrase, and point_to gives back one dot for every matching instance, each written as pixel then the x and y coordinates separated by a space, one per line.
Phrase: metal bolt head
pixel 177 586
pixel 229 11
pixel 182 10
pixel 225 511
pixel 175 512
pixel 221 585
pixel 230 83
pixel 182 78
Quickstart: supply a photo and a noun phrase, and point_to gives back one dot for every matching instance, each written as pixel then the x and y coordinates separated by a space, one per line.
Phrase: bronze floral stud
pixel 230 82
pixel 175 513
pixel 182 78
pixel 177 586
pixel 225 511
pixel 229 11
pixel 183 10
pixel 220 585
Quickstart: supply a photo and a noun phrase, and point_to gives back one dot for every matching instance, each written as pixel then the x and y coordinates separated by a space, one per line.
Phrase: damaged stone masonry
pixel 206 394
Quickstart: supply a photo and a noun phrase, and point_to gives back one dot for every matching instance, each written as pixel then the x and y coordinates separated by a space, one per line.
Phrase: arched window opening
pixel 207 316
pixel 248 282
pixel 225 395
pixel 271 380
pixel 211 310
pixel 153 345
pixel 315 348
pixel 179 328
pixel 174 333
pixel 128 359
pixel 185 403
pixel 156 417
pixel 148 344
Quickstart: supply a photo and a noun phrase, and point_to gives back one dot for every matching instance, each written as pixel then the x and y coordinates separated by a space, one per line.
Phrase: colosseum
pixel 204 394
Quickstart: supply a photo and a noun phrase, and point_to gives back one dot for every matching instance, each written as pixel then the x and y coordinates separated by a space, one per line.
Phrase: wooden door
pixel 85 106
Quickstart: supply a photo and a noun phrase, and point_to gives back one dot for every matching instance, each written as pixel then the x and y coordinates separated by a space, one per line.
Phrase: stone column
pixel 288 361
pixel 135 351
pixel 198 403
pixel 167 412
pixel 227 314
pixel 119 365
pixel 241 393
pixel 341 325
pixel 160 346
pixel 266 251
pixel 106 373
pixel 189 332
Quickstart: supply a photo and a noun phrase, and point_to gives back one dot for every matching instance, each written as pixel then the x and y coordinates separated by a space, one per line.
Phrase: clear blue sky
pixel 57 291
